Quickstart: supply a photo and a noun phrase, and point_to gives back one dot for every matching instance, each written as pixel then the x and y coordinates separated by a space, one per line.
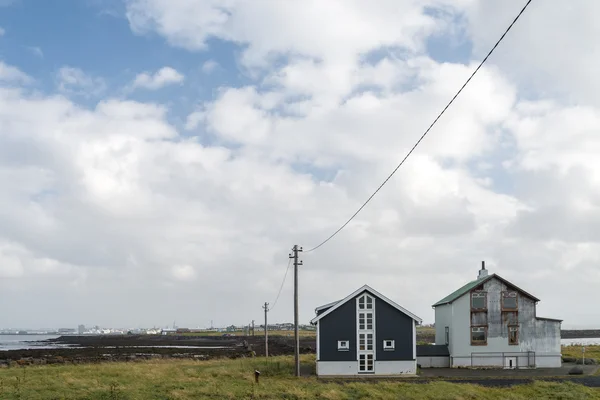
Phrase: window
pixel 361 302
pixel 365 363
pixel 365 341
pixel 447 336
pixel 369 303
pixel 361 321
pixel 479 300
pixel 478 335
pixel 366 302
pixel 365 321
pixel 509 300
pixel 343 345
pixel 513 335
pixel 389 344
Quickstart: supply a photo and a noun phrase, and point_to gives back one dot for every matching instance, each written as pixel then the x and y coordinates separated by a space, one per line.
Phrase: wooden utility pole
pixel 252 327
pixel 266 308
pixel 296 250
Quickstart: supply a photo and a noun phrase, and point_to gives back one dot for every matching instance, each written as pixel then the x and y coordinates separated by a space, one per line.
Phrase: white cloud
pixel 163 77
pixel 74 81
pixel 36 51
pixel 209 66
pixel 120 205
pixel 2 31
pixel 11 74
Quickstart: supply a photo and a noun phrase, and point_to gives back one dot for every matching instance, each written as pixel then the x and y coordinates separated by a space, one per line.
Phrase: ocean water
pixel 580 342
pixel 19 342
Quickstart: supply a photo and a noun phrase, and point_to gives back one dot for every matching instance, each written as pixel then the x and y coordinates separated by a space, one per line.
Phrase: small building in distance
pixel 491 322
pixel 365 334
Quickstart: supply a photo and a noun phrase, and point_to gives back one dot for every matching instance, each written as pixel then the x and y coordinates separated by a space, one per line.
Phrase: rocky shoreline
pixel 95 349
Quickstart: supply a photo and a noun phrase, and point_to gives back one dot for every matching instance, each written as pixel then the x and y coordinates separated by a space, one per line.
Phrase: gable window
pixel 365 302
pixel 513 335
pixel 343 345
pixel 479 300
pixel 478 335
pixel 509 300
pixel 447 336
pixel 389 345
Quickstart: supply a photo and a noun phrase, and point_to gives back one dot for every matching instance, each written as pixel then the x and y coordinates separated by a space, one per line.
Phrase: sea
pixel 21 342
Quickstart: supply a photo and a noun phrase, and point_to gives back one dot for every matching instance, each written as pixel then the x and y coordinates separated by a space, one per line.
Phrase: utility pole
pixel 252 327
pixel 266 308
pixel 296 250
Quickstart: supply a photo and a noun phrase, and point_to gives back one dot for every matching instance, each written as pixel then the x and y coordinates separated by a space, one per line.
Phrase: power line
pixel 426 131
pixel 282 282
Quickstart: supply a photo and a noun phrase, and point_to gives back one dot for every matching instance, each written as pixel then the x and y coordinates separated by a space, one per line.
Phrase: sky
pixel 159 158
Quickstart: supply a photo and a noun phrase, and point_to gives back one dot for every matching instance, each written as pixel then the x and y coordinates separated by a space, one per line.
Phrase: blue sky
pixel 94 35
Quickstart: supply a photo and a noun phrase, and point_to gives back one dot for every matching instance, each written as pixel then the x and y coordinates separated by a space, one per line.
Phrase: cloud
pixel 163 77
pixel 74 81
pixel 2 31
pixel 12 74
pixel 36 51
pixel 209 66
pixel 114 202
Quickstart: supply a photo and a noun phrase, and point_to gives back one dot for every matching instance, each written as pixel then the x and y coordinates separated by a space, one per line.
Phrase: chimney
pixel 482 272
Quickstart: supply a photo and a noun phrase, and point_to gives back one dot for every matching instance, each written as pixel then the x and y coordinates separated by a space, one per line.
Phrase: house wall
pixel 433 361
pixel 540 336
pixel 347 368
pixel 391 324
pixel 339 325
pixel 443 319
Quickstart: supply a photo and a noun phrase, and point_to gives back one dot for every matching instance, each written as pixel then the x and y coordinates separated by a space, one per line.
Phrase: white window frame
pixel 366 358
pixel 343 345
pixel 391 346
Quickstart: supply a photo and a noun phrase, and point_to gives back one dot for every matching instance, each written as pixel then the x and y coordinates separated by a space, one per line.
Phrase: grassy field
pixel 233 379
pixel 575 351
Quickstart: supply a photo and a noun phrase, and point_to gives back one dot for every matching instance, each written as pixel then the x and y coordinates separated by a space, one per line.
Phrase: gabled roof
pixel 473 284
pixel 432 350
pixel 365 288
pixel 324 306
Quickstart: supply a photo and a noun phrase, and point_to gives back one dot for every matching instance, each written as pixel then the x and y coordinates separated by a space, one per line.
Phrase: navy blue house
pixel 365 334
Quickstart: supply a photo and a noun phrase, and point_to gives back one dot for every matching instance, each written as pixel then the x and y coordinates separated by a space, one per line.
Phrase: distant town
pixel 96 330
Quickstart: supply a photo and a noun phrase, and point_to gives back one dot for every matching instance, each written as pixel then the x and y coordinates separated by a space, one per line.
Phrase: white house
pixel 492 322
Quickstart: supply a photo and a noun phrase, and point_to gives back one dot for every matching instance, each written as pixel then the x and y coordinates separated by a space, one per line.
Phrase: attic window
pixel 479 300
pixel 509 300
pixel 389 345
pixel 343 345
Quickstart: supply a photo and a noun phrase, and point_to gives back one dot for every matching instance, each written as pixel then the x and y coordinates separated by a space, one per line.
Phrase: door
pixel 510 362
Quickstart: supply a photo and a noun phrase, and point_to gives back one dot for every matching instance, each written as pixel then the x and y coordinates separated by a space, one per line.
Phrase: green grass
pixel 575 351
pixel 233 379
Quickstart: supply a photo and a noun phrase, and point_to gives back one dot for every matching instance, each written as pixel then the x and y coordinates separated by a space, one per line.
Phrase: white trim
pixel 366 331
pixel 392 345
pixel 414 340
pixel 318 346
pixel 374 293
pixel 343 345
pixel 326 305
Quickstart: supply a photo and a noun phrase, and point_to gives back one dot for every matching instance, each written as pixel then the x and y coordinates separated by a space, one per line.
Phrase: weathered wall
pixel 541 336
